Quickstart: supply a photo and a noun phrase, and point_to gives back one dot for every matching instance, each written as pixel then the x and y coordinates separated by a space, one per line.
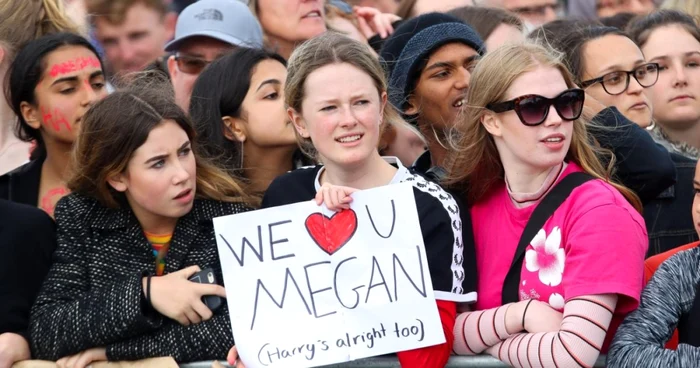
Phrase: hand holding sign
pixel 335 197
pixel 315 288
pixel 232 359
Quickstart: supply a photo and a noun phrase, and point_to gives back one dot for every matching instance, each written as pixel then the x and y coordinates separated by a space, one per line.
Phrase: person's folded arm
pixel 577 343
pixel 208 340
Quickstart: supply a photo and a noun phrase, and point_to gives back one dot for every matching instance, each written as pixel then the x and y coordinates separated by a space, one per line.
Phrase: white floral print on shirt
pixel 547 257
pixel 556 301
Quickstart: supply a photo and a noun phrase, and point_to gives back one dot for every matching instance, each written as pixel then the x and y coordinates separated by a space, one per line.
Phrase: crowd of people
pixel 552 148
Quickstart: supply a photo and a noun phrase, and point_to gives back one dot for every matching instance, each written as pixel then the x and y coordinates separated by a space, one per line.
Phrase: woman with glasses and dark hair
pixel 623 80
pixel 615 79
pixel 555 278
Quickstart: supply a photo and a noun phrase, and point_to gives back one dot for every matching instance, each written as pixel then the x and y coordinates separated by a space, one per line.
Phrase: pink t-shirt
pixel 594 243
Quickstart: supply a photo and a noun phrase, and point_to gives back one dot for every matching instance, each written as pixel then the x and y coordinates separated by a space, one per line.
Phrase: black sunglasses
pixel 533 109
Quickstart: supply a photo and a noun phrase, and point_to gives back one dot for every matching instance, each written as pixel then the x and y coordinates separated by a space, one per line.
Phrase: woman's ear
pixel 30 114
pixel 383 99
pixel 118 182
pixel 234 129
pixel 492 124
pixel 299 122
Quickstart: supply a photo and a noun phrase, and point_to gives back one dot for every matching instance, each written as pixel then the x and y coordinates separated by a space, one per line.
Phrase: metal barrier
pixel 481 361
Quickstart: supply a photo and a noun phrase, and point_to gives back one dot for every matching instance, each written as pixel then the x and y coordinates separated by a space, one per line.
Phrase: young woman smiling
pixel 336 93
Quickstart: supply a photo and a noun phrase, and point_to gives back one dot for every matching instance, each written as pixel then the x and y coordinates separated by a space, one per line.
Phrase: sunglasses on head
pixel 533 109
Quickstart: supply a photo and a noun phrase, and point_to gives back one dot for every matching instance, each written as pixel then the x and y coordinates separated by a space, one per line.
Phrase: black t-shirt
pixel 446 228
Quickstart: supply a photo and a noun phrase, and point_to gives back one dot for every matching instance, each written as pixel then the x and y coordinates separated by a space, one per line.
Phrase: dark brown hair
pixel 486 20
pixel 574 44
pixel 115 127
pixel 619 20
pixel 641 28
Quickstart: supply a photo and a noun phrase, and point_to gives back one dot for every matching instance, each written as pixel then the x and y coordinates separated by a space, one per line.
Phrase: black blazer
pixel 93 296
pixel 21 185
pixel 27 241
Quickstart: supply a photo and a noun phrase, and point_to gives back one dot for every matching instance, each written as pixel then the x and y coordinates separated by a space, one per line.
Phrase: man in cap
pixel 205 30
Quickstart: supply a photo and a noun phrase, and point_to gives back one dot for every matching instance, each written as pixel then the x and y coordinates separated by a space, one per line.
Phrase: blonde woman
pixel 336 93
pixel 579 271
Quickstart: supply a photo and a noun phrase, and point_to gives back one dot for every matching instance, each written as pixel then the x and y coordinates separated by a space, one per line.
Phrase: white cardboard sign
pixel 309 287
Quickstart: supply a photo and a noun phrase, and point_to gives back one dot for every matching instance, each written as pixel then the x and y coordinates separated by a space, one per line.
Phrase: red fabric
pixel 651 265
pixel 434 356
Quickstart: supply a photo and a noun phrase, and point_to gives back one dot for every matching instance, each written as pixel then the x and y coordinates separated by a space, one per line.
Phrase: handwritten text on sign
pixel 308 288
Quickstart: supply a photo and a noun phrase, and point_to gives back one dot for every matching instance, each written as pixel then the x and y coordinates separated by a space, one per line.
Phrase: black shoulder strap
pixel 540 215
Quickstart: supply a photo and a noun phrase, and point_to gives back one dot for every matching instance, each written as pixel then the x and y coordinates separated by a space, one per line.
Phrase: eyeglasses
pixel 616 83
pixel 533 109
pixel 191 64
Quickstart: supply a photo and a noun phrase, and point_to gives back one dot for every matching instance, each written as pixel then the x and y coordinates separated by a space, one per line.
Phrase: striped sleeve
pixel 577 344
pixel 640 340
pixel 452 264
pixel 477 331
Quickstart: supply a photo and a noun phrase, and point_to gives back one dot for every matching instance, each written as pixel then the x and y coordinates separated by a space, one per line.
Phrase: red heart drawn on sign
pixel 330 234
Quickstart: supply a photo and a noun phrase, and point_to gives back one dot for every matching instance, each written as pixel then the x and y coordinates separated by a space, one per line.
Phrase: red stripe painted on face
pixel 55 119
pixel 74 65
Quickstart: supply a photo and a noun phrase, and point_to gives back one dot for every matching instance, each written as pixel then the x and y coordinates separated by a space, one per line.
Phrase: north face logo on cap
pixel 212 14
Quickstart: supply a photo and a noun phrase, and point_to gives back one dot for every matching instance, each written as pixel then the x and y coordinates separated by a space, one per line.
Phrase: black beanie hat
pixel 413 42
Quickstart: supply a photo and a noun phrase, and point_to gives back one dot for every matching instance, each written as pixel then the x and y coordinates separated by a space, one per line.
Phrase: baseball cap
pixel 229 21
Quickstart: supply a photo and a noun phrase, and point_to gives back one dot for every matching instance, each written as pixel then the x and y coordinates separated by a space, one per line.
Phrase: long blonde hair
pixel 475 166
pixel 22 21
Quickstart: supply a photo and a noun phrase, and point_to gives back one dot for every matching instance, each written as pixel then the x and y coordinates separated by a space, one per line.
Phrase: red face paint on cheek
pixel 74 65
pixel 55 119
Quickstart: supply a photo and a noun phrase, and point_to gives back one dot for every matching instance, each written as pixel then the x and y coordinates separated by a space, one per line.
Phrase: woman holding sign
pixel 336 93
pixel 539 192
pixel 132 237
